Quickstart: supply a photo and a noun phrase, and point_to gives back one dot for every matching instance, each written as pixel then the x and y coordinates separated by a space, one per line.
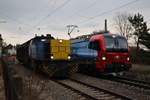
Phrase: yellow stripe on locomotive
pixel 60 49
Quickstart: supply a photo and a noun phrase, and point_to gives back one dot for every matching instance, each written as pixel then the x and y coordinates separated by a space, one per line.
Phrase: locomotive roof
pixel 87 37
pixel 48 36
pixel 42 37
pixel 116 35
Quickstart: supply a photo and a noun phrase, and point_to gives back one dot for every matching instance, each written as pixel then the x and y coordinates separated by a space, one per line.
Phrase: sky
pixel 20 20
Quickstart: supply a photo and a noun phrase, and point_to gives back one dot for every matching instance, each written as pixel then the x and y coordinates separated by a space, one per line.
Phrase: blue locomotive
pixel 47 54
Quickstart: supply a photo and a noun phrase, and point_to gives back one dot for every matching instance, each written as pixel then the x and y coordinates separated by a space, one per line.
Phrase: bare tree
pixel 123 25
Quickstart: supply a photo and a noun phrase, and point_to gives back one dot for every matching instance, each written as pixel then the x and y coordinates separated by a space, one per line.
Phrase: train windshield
pixel 118 44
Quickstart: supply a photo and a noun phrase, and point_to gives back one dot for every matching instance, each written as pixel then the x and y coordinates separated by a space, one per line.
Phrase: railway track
pixel 90 92
pixel 132 82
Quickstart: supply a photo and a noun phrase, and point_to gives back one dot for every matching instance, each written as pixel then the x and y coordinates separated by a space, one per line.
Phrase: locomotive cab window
pixel 117 44
pixel 94 45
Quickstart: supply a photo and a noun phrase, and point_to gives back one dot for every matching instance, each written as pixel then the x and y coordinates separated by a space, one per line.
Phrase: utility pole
pixel 105 25
pixel 1 42
pixel 71 28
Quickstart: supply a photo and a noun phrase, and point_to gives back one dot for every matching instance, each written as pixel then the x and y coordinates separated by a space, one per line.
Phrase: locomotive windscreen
pixel 40 49
pixel 118 44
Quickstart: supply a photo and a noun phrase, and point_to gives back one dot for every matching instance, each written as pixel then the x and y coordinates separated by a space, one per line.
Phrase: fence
pixel 12 83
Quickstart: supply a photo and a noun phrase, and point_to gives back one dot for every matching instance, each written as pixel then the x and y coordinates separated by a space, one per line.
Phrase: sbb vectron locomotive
pixel 47 54
pixel 102 53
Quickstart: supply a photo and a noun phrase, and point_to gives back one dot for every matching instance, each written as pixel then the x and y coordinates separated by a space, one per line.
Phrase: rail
pixel 94 92
pixel 132 82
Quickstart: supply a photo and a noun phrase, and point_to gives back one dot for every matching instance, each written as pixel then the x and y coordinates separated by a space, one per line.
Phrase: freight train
pixel 101 53
pixel 49 55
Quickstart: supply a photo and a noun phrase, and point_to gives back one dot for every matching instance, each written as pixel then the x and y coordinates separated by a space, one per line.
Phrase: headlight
pixel 69 57
pixel 60 41
pixel 128 58
pixel 103 58
pixel 43 40
pixel 52 57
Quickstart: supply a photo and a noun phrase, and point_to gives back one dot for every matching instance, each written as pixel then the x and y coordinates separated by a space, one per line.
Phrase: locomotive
pixel 46 54
pixel 101 53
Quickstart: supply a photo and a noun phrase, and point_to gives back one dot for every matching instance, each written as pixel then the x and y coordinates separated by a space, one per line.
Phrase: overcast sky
pixel 20 20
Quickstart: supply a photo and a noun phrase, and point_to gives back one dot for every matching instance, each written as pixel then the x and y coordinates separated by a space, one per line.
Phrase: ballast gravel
pixel 123 89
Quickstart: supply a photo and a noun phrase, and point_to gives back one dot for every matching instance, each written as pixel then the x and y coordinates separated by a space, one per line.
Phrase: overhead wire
pixel 20 24
pixel 84 9
pixel 109 11
pixel 51 13
pixel 61 6
pixel 88 7
pixel 82 22
pixel 14 20
pixel 87 18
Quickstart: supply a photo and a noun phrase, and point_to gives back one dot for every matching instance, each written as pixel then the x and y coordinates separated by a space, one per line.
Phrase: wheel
pixel 73 69
pixel 49 71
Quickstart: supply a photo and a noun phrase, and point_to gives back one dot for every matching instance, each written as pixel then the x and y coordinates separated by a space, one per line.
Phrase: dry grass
pixel 145 69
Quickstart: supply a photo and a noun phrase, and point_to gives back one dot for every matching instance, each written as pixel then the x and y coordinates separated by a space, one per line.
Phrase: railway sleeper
pixel 90 91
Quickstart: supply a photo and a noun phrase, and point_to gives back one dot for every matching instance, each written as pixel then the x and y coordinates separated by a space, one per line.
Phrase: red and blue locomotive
pixel 101 53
